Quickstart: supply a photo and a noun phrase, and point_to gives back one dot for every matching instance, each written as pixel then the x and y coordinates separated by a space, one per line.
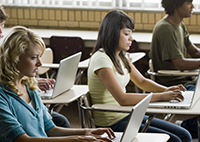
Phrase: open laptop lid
pixel 196 91
pixel 66 74
pixel 195 95
pixel 135 120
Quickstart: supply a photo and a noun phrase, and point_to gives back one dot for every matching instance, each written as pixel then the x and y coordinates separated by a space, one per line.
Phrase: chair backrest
pixel 64 46
pixel 86 105
pixel 47 57
pixel 151 70
pixel 86 100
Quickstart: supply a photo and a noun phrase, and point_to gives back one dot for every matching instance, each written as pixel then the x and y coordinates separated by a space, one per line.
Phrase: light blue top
pixel 17 117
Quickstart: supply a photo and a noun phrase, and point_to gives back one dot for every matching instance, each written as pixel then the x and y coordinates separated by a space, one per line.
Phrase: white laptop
pixel 65 78
pixel 190 98
pixel 135 120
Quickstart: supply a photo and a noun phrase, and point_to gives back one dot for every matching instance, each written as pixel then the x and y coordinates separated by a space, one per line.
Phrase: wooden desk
pixel 84 64
pixel 194 110
pixel 155 137
pixel 179 73
pixel 90 37
pixel 69 96
pixel 145 137
pixel 47 65
pixel 136 56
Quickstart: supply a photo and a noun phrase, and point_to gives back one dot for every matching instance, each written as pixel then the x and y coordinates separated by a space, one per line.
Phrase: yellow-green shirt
pixel 99 93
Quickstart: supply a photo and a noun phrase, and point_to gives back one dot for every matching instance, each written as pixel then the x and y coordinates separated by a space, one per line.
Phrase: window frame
pixel 143 5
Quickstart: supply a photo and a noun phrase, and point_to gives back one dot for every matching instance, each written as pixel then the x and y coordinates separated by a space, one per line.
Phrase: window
pixel 154 5
pixel 100 4
pixel 141 5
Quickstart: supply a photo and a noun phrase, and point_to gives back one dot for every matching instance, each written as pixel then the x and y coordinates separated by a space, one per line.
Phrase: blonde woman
pixel 23 117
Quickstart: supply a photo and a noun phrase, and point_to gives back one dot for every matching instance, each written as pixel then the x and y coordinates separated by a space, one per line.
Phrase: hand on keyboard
pixel 174 101
pixel 117 137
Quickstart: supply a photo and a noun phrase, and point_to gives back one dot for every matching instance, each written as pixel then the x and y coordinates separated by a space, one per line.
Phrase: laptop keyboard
pixel 116 139
pixel 47 93
pixel 187 98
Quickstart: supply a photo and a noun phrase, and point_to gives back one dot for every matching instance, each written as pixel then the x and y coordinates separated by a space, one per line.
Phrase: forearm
pixel 188 64
pixel 151 86
pixel 145 83
pixel 131 99
pixel 194 51
pixel 59 131
pixel 26 138
pixel 158 97
pixel 80 135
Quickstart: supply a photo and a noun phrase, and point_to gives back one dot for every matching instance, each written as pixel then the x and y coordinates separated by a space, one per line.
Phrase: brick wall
pixel 85 19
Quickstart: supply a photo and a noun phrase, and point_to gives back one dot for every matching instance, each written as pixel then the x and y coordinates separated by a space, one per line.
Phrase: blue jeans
pixel 60 120
pixel 190 87
pixel 191 124
pixel 176 133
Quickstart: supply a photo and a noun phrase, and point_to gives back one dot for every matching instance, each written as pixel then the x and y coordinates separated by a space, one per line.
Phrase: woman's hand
pixel 97 133
pixel 177 87
pixel 172 95
pixel 89 139
pixel 45 84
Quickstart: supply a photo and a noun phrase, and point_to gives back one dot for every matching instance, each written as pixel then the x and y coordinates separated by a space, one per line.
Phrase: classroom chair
pixel 151 71
pixel 47 57
pixel 87 118
pixel 64 46
pixel 152 74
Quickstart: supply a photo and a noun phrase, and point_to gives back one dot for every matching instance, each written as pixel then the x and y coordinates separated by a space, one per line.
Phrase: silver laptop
pixel 65 77
pixel 190 98
pixel 135 120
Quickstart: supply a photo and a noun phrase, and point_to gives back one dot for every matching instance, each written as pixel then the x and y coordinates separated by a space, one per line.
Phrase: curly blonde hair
pixel 13 45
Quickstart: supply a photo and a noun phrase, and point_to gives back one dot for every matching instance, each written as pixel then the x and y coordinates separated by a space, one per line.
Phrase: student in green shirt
pixel 169 47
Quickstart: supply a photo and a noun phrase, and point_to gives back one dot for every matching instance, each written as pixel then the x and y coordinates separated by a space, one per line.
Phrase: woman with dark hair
pixel 110 71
